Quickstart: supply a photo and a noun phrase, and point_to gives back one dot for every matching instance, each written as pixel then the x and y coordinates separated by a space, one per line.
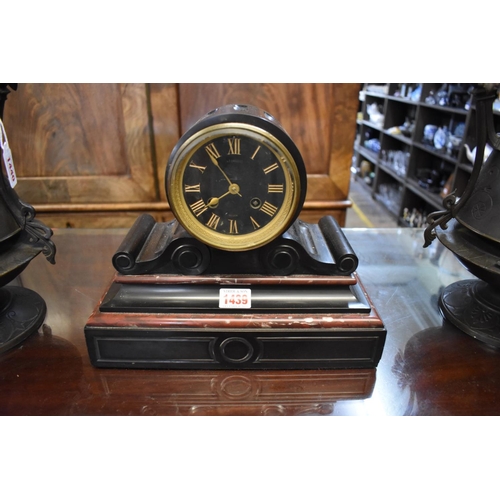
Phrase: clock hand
pixel 234 189
pixel 214 201
pixel 231 184
pixel 216 163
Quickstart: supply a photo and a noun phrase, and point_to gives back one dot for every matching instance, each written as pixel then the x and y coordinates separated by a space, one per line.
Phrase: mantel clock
pixel 236 280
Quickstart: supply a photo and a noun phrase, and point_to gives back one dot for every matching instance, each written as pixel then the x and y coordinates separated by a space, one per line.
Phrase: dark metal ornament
pixel 22 238
pixel 474 236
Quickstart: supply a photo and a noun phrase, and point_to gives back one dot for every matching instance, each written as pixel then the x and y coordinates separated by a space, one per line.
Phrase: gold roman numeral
pixel 212 151
pixel 199 167
pixel 233 226
pixel 195 188
pixel 272 167
pixel 275 188
pixel 198 207
pixel 255 152
pixel 255 224
pixel 213 221
pixel 234 146
pixel 268 208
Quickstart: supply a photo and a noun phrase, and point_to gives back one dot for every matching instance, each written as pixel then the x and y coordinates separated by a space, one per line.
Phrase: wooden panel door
pixel 83 148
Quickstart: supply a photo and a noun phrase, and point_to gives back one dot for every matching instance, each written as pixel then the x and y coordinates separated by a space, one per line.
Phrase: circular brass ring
pixel 240 242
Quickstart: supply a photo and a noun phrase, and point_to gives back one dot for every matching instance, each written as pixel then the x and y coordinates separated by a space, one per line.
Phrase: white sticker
pixel 7 157
pixel 235 298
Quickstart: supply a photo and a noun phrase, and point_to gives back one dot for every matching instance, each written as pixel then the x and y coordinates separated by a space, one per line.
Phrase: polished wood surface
pixel 94 155
pixel 81 143
pixel 428 367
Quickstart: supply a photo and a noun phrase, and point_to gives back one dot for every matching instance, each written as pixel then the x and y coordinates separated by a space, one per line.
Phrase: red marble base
pixel 302 322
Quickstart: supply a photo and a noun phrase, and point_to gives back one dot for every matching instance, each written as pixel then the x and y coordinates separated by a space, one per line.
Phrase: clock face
pixel 234 186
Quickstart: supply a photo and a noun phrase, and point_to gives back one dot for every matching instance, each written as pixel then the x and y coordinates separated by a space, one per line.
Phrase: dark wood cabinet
pixel 94 155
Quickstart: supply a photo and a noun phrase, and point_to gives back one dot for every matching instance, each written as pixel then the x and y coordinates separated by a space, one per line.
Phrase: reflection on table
pixel 428 366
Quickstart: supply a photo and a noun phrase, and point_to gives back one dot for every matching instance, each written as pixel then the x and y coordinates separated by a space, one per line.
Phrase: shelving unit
pixel 407 173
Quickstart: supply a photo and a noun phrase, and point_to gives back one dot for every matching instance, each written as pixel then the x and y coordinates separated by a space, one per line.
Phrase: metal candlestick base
pixel 474 307
pixel 22 312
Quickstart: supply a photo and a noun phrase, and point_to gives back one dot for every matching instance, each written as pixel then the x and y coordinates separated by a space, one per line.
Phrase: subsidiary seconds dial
pixel 234 186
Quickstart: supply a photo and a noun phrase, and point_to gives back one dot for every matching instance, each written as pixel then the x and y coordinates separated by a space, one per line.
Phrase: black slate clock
pixel 236 183
pixel 236 280
pixel 235 180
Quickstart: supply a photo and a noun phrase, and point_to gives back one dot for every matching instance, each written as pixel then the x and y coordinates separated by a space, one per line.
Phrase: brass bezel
pixel 279 223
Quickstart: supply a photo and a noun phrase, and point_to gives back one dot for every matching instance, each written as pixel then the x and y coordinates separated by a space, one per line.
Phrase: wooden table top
pixel 428 367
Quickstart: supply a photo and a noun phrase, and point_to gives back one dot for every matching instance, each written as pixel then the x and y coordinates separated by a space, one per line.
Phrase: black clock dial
pixel 235 184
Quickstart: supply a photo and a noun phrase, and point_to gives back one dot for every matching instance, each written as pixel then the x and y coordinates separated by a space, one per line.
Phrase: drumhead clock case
pixel 236 180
